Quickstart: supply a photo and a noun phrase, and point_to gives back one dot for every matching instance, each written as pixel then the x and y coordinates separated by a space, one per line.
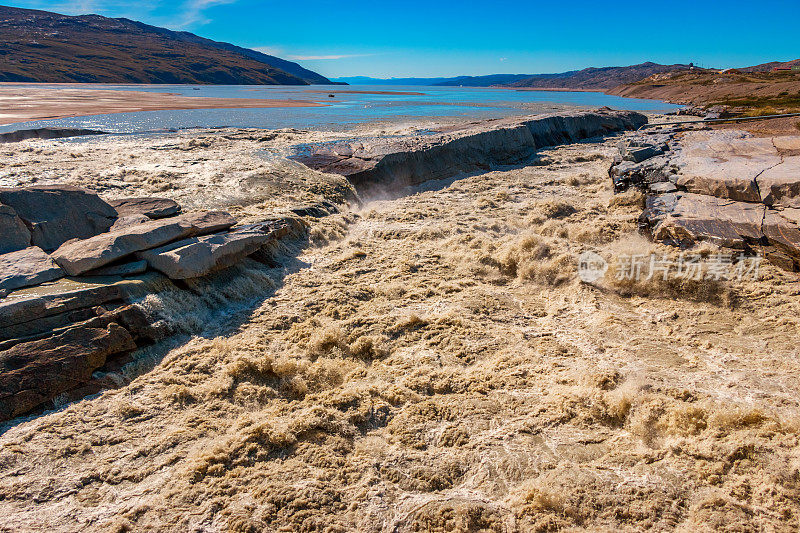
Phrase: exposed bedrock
pixel 79 256
pixel 385 164
pixel 63 336
pixel 46 133
pixel 55 214
pixel 726 187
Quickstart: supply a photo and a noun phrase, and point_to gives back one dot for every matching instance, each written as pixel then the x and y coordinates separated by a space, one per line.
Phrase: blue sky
pixel 449 38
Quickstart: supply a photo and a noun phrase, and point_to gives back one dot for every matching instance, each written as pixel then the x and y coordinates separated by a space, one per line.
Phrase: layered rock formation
pixel 385 164
pixel 56 331
pixel 726 187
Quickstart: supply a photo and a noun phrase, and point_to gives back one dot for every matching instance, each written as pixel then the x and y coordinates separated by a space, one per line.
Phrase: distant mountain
pixel 458 81
pixel 366 80
pixel 39 46
pixel 484 81
pixel 597 78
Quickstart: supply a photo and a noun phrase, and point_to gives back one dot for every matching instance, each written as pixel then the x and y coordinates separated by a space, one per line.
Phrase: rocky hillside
pixel 38 46
pixel 768 67
pixel 597 78
pixel 758 93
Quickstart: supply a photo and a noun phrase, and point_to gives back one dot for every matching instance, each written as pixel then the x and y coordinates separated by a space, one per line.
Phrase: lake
pixel 343 111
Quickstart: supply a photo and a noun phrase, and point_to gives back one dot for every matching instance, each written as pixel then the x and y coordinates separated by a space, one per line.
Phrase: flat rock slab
pixel 154 208
pixel 779 185
pixel 78 257
pixel 685 218
pixel 34 372
pixel 21 309
pixel 57 213
pixel 733 164
pixel 724 164
pixel 198 256
pixel 23 268
pixel 14 235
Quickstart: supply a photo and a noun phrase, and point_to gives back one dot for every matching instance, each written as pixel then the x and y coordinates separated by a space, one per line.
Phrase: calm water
pixel 344 110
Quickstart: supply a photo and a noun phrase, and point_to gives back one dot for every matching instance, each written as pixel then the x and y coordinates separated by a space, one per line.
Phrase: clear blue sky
pixel 428 38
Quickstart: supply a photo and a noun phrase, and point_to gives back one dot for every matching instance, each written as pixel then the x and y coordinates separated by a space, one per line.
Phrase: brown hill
pixel 768 67
pixel 598 78
pixel 754 93
pixel 39 46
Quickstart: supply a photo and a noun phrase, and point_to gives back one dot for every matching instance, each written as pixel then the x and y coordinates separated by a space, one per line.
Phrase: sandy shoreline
pixel 21 103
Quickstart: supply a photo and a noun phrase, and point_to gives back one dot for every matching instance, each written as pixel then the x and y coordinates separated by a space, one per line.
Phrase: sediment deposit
pixel 21 103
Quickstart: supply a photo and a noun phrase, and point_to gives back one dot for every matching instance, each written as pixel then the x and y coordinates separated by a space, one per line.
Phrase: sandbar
pixel 20 103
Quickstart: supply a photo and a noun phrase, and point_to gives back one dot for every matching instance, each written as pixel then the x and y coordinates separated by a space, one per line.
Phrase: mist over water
pixel 344 109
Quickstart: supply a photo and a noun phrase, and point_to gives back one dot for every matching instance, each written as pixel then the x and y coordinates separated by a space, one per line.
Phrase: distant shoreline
pixel 553 89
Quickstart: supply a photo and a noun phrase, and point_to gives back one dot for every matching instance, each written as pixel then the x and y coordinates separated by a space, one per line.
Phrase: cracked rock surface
pixel 727 187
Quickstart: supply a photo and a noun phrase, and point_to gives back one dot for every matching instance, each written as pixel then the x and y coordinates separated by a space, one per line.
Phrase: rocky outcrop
pixel 23 268
pixel 55 214
pixel 725 187
pixel 199 256
pixel 389 163
pixel 78 257
pixel 34 372
pixel 682 218
pixel 15 235
pixel 39 309
pixel 154 208
pixel 779 185
pixel 46 133
pixel 66 336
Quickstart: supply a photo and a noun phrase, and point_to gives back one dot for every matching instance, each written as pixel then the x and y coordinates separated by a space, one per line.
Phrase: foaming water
pixel 210 307
pixel 347 107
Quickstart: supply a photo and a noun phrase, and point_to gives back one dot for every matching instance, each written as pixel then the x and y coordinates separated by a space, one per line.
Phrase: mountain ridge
pixel 45 47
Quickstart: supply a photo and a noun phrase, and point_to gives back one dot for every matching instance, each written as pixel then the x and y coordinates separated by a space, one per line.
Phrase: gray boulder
pixel 637 155
pixel 195 257
pixel 41 309
pixel 23 268
pixel 58 213
pixel 154 208
pixel 78 257
pixel 15 235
